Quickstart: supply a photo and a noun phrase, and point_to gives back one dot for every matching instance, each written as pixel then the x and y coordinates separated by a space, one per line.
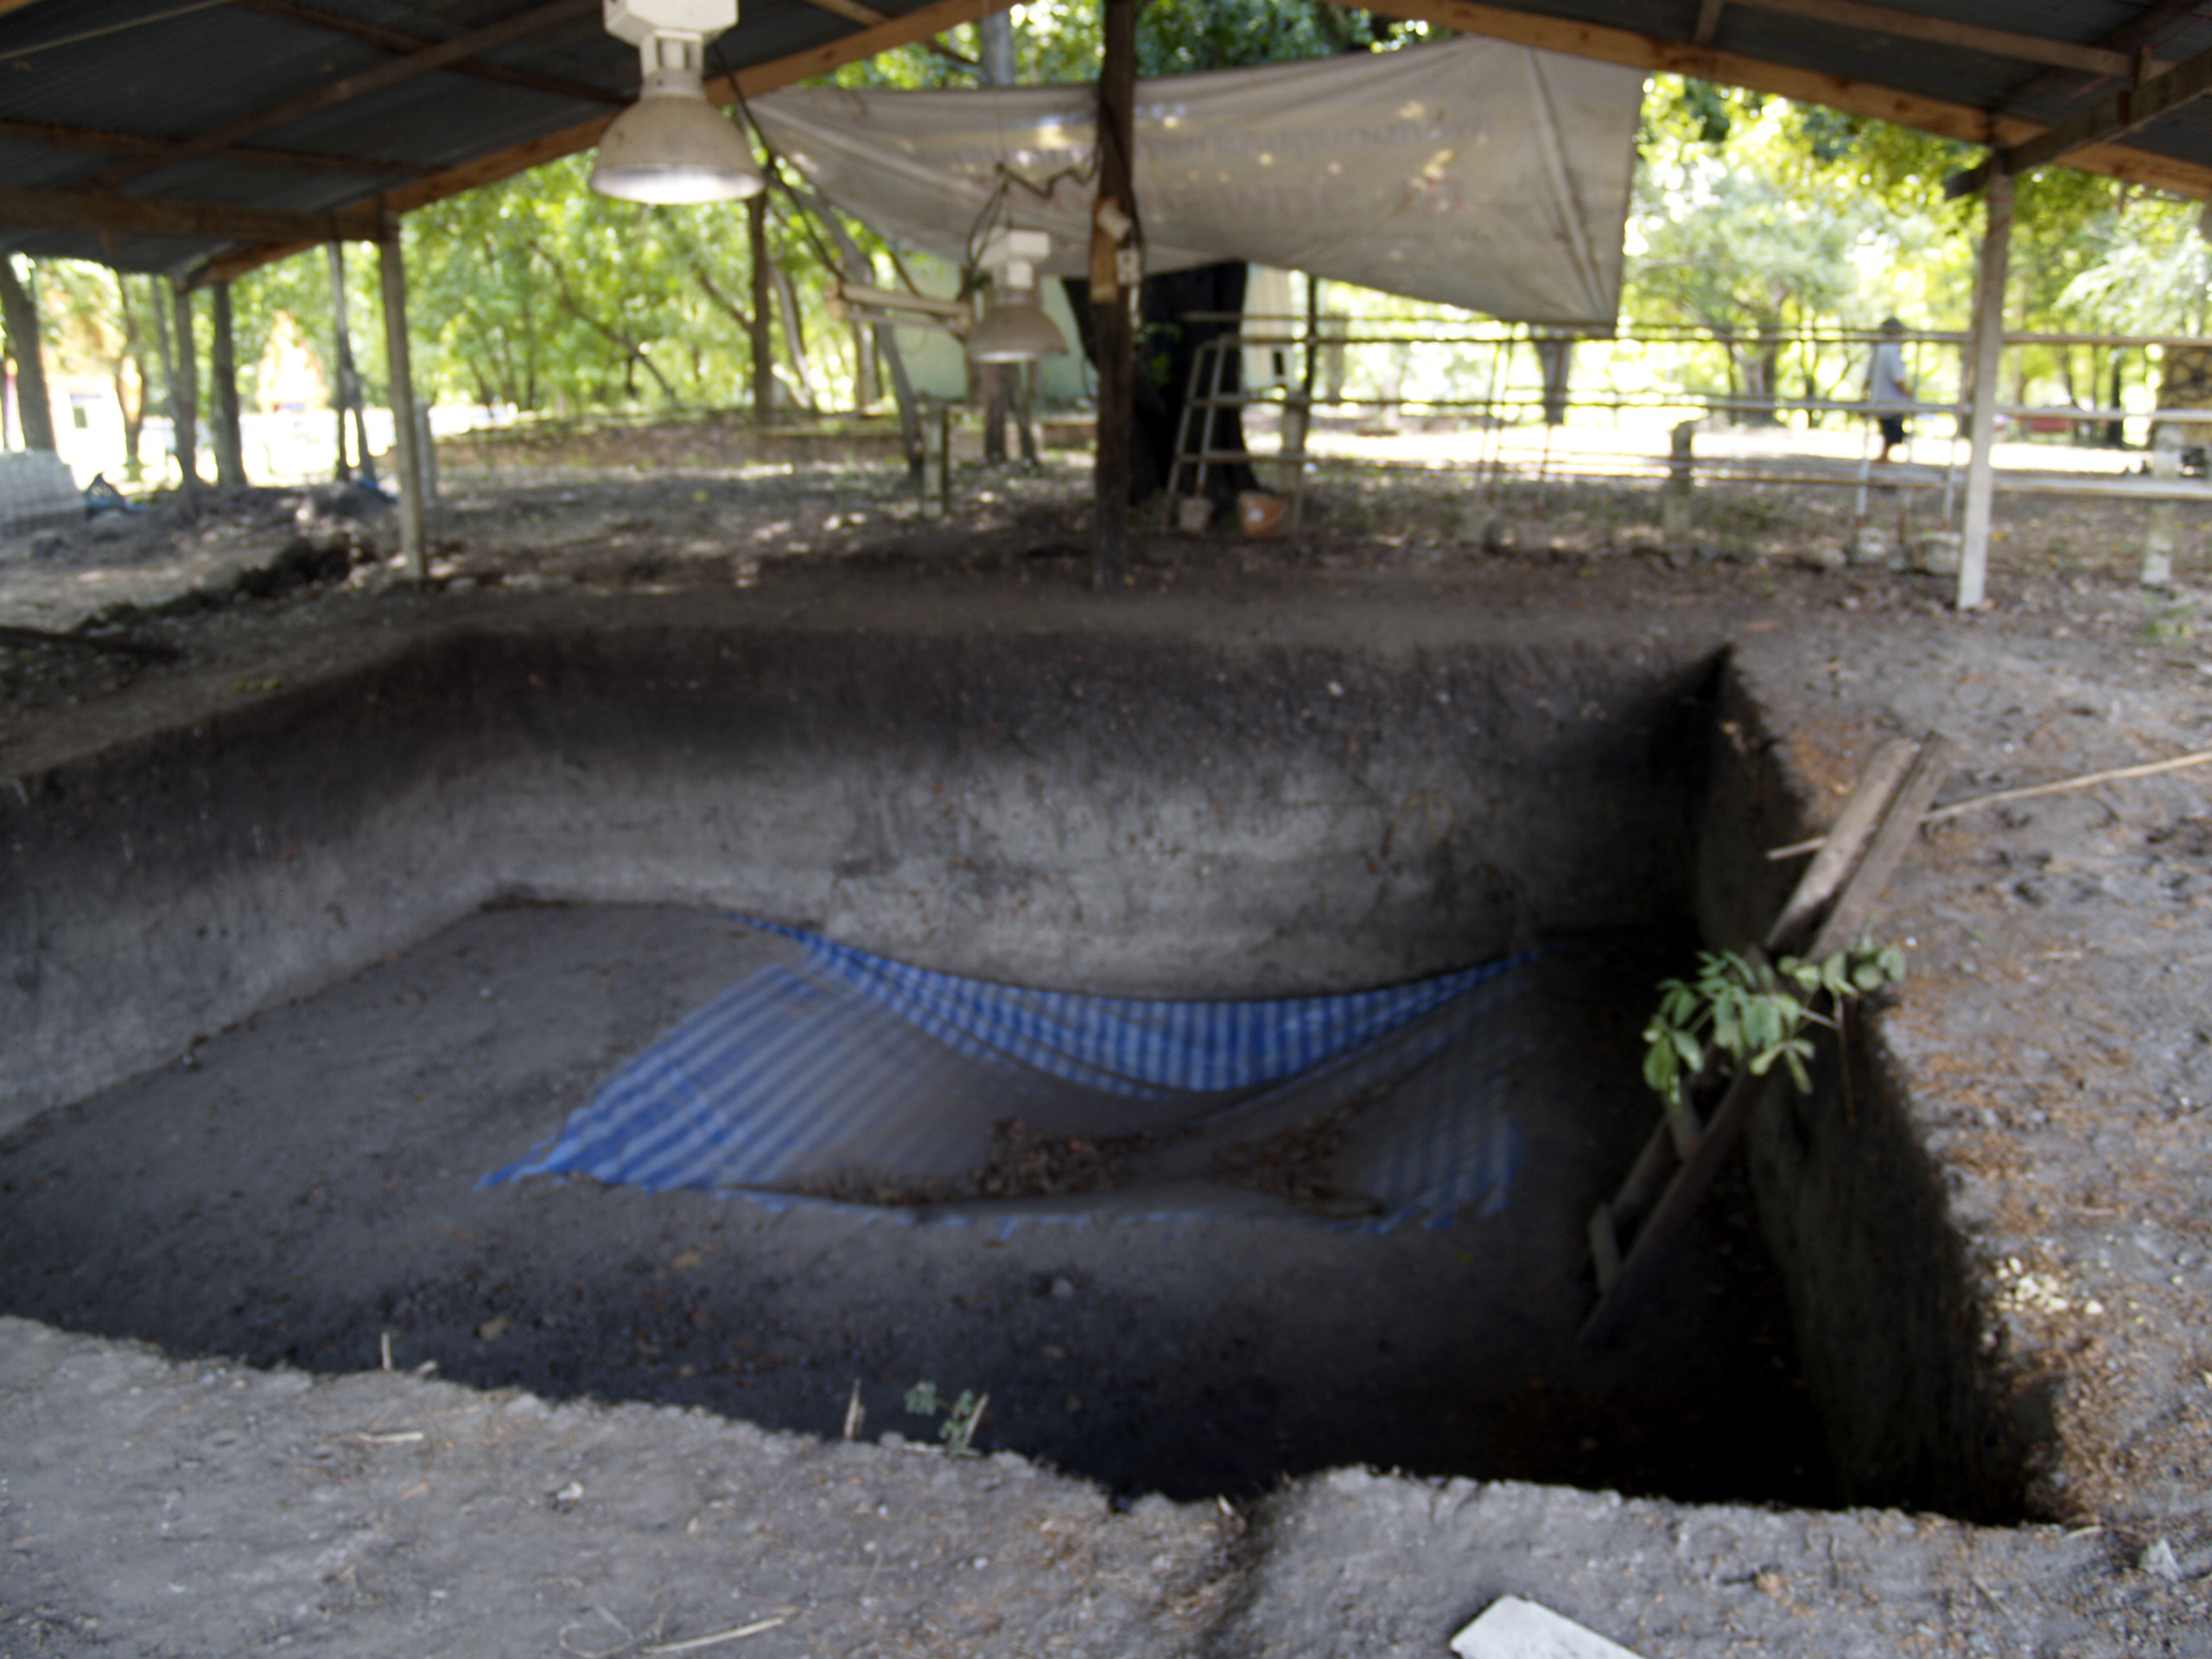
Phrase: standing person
pixel 1889 394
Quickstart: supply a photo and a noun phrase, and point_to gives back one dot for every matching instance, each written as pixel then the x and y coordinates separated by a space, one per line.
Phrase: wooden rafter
pixel 2118 113
pixel 1853 97
pixel 102 211
pixel 2132 37
pixel 346 88
pixel 95 142
pixel 1941 31
pixel 853 11
pixel 921 24
pixel 393 40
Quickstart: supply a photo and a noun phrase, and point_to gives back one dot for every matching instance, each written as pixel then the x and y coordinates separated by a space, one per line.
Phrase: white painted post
pixel 1987 348
pixel 2163 532
pixel 392 268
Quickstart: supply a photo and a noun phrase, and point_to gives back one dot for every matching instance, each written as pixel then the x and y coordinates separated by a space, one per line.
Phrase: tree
pixel 19 312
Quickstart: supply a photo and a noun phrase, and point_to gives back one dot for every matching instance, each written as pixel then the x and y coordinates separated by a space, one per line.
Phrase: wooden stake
pixel 1111 329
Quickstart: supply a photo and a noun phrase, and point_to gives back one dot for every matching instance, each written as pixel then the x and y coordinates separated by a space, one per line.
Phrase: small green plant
pixel 957 1430
pixel 2170 625
pixel 1739 1013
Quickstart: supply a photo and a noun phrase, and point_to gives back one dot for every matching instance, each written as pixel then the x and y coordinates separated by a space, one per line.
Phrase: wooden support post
pixel 1110 302
pixel 392 267
pixel 1682 479
pixel 764 311
pixel 1984 354
pixel 184 404
pixel 223 393
pixel 936 457
pixel 19 313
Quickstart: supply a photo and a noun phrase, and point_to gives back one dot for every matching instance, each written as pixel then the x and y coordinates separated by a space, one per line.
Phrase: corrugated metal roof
pixel 174 69
pixel 148 69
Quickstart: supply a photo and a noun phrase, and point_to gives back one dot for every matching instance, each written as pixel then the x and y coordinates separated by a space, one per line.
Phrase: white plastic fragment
pixel 1511 1628
pixel 2160 1561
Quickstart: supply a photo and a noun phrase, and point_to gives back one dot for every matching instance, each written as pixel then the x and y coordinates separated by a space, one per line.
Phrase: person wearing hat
pixel 1889 394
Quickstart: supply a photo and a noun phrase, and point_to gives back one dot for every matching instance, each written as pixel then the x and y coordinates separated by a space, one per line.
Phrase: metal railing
pixel 1508 404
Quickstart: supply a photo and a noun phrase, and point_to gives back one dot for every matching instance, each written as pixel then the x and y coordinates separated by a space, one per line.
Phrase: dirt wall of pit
pixel 1063 810
pixel 1851 1205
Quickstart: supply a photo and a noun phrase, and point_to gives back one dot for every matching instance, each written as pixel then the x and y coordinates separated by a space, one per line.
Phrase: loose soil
pixel 298 1189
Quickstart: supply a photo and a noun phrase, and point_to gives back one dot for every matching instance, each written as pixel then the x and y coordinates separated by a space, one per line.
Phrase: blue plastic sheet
pixel 834 1067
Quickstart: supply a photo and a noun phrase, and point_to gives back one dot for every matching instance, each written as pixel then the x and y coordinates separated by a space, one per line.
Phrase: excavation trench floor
pixel 305 1185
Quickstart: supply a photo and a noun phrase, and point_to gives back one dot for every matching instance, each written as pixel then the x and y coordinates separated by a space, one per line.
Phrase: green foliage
pixel 1057 41
pixel 1739 1013
pixel 957 1430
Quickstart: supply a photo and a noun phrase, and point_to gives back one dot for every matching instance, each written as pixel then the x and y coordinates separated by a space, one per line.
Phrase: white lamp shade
pixel 1015 329
pixel 673 146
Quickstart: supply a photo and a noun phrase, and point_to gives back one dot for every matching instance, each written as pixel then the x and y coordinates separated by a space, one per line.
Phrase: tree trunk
pixel 864 392
pixel 19 312
pixel 764 305
pixel 184 404
pixel 223 384
pixel 134 416
pixel 795 340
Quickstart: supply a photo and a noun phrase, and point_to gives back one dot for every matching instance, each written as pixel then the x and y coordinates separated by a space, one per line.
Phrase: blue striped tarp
pixel 835 1063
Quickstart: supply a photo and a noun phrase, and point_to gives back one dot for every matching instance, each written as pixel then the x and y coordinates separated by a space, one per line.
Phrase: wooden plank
pixel 1900 822
pixel 1853 97
pixel 1983 359
pixel 1676 1203
pixel 348 88
pixel 78 210
pixel 903 30
pixel 394 39
pixel 1846 838
pixel 391 267
pixel 1604 1248
pixel 1941 31
pixel 93 141
pixel 1937 760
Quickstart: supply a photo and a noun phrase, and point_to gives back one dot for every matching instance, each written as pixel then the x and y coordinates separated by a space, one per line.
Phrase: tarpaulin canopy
pixel 838 1077
pixel 1481 174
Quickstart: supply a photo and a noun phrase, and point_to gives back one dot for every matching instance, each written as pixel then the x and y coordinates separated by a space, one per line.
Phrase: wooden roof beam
pixel 2132 37
pixel 2119 112
pixel 919 24
pixel 79 210
pixel 1940 31
pixel 393 40
pixel 346 88
pixel 96 141
pixel 854 12
pixel 1652 54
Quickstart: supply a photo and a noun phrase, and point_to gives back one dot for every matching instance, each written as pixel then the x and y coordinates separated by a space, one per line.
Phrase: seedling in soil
pixel 1737 1013
pixel 957 1430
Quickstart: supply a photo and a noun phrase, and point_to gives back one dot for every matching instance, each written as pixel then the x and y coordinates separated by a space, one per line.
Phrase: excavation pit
pixel 486 868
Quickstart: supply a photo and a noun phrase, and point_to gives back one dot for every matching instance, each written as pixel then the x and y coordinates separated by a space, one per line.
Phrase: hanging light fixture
pixel 672 145
pixel 1015 328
